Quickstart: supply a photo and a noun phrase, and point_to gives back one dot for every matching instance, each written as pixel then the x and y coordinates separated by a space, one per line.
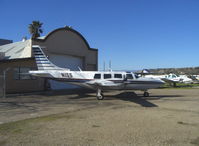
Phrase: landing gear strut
pixel 146 94
pixel 99 94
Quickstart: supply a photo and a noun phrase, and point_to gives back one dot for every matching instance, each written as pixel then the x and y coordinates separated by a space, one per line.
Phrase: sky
pixel 133 34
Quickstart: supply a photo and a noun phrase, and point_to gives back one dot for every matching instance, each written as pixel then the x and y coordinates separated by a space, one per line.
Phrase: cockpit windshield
pixel 136 76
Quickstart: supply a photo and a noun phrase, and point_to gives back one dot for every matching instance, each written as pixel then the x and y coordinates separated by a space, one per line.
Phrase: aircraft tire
pixel 146 94
pixel 101 97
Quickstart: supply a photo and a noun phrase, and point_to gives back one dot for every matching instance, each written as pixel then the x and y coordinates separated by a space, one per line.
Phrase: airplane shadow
pixel 132 97
pixel 157 97
pixel 126 96
pixel 82 95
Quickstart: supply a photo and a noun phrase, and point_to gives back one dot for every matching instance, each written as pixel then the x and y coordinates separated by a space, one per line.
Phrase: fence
pixel 1 86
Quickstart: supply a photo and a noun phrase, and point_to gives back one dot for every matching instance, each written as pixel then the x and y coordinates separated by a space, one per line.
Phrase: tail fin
pixel 42 61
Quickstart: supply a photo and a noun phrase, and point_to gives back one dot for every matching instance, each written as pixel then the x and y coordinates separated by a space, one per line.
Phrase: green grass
pixel 30 127
pixel 13 127
pixel 195 141
pixel 31 124
pixel 180 86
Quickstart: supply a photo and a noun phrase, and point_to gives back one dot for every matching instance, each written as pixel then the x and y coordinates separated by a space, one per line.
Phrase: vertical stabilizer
pixel 42 61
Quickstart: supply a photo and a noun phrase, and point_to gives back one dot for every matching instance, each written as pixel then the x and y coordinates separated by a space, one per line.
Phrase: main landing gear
pixel 99 94
pixel 146 94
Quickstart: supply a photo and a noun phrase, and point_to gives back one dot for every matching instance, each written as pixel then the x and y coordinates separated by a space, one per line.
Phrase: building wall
pixel 19 85
pixel 68 41
pixel 63 41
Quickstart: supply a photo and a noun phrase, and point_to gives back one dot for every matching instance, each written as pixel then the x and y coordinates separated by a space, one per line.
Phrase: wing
pixel 169 80
pixel 104 83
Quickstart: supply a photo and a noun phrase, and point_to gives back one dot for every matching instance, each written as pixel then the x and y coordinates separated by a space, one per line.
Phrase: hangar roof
pixel 16 50
pixel 23 49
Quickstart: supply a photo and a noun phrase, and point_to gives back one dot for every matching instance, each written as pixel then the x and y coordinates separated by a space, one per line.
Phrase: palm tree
pixel 35 29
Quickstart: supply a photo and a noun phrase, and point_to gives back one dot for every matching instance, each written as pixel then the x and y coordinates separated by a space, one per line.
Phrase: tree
pixel 35 29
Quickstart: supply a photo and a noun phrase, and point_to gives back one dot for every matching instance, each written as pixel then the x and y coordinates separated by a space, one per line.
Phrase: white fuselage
pixel 104 80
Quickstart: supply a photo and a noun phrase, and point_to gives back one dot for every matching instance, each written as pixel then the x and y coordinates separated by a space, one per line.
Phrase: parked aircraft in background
pixel 99 81
pixel 195 78
pixel 172 78
pixel 186 79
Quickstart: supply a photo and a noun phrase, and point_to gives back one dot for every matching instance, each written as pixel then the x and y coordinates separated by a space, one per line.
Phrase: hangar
pixel 65 47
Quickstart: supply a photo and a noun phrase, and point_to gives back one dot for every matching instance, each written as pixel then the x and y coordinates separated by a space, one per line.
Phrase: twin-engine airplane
pixel 99 81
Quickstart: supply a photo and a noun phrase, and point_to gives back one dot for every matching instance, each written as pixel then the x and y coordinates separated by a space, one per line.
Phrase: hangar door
pixel 65 61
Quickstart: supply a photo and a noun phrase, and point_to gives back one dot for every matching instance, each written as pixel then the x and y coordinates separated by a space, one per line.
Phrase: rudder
pixel 42 61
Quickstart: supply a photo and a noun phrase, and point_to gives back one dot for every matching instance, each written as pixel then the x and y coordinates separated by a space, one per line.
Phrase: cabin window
pixel 117 75
pixel 129 76
pixel 107 76
pixel 97 76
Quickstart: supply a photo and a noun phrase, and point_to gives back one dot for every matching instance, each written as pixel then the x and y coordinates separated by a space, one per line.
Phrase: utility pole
pixel 104 66
pixel 110 69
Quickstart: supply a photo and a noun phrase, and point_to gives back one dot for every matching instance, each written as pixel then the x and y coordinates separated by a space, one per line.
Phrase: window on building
pixel 107 76
pixel 97 76
pixel 129 76
pixel 22 73
pixel 117 75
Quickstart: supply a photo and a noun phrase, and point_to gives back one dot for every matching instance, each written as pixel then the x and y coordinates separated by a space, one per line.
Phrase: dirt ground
pixel 169 117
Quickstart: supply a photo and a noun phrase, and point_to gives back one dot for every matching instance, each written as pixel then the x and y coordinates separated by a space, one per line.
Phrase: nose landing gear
pixel 99 94
pixel 146 94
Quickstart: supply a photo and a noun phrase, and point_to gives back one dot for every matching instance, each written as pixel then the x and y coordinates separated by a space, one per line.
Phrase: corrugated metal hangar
pixel 65 47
